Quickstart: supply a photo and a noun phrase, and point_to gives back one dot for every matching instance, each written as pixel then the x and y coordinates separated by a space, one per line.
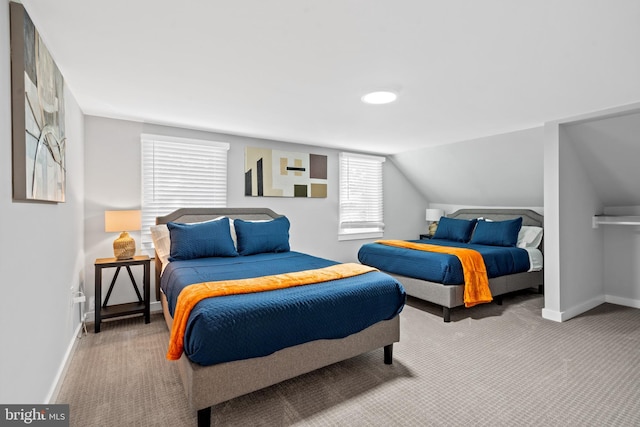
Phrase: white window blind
pixel 361 197
pixel 178 173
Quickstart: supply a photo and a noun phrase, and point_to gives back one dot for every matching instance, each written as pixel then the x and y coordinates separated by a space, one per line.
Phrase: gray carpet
pixel 491 366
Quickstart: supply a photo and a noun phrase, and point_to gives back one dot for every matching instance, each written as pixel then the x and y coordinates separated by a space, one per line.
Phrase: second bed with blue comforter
pixel 237 327
pixel 442 268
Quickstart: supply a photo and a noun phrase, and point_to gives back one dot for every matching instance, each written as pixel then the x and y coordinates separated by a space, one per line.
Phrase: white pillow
pixel 161 242
pixel 529 236
pixel 232 230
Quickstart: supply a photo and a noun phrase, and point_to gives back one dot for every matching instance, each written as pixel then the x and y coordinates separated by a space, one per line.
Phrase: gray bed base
pixel 206 386
pixel 451 296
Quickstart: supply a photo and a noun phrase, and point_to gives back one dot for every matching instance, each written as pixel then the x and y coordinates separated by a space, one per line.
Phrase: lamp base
pixel 124 247
pixel 433 227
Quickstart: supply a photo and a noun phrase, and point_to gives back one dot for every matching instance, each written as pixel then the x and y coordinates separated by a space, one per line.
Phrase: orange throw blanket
pixel 476 282
pixel 193 294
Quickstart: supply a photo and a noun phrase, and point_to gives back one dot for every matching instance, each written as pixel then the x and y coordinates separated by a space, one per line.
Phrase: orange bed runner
pixel 193 294
pixel 476 282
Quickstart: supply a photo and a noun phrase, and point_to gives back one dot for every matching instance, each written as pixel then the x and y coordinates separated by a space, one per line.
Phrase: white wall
pixel 112 182
pixel 450 208
pixel 551 308
pixel 41 258
pixel 608 149
pixel 573 248
pixel 586 165
pixel 112 157
pixel 581 246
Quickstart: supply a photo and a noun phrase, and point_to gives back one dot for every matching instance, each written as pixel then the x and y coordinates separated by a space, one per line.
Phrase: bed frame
pixel 450 296
pixel 206 386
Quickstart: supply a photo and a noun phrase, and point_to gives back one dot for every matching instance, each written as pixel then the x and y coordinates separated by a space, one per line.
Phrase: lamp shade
pixel 434 214
pixel 118 221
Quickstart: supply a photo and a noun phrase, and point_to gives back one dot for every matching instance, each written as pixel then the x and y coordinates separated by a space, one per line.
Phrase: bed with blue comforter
pixel 442 268
pixel 236 344
pixel 237 327
pixel 509 241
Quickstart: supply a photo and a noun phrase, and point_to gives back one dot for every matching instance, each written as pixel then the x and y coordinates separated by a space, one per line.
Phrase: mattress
pixel 237 327
pixel 442 268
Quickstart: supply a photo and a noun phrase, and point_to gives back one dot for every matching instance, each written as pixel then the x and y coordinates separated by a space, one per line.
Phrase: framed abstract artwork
pixel 37 108
pixel 277 173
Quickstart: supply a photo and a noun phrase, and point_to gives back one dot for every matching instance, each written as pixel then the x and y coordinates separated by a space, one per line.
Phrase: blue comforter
pixel 442 268
pixel 237 327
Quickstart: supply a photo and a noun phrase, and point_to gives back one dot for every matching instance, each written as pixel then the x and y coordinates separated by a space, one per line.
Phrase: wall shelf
pixel 615 220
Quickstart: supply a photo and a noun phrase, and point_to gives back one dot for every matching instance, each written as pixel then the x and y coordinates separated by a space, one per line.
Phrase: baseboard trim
pixel 627 302
pixel 556 316
pixel 156 306
pixel 582 308
pixel 52 396
pixel 561 316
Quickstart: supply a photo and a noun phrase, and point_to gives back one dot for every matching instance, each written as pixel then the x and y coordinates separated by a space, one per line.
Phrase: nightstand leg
pixel 204 417
pixel 146 280
pixel 97 299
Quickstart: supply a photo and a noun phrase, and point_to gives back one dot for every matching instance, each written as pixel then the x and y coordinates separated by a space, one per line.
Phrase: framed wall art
pixel 37 108
pixel 278 173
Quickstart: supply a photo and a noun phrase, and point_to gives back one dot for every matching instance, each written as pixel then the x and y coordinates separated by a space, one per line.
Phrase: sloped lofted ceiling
pixel 294 70
pixel 503 170
pixel 609 150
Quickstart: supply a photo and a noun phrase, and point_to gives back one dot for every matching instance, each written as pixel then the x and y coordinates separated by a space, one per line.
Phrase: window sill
pixel 360 236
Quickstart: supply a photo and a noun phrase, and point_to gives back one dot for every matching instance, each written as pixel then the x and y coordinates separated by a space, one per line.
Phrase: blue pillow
pixel 456 230
pixel 497 233
pixel 261 237
pixel 201 240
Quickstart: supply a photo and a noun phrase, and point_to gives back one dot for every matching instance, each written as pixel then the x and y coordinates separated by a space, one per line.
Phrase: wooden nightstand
pixel 143 305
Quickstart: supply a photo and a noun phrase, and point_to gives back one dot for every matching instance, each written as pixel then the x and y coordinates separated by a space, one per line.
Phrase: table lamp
pixel 434 216
pixel 124 247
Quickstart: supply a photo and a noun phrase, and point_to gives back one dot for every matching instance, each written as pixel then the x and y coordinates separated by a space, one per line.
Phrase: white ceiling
pixel 294 70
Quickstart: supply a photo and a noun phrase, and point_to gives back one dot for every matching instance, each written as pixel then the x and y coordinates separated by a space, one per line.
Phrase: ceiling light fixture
pixel 380 97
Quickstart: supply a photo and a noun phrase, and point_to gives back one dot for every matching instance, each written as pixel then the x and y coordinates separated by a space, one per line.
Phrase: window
pixel 178 173
pixel 361 202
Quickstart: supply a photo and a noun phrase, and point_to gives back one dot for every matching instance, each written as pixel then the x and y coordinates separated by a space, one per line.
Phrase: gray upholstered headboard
pixel 188 215
pixel 529 217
